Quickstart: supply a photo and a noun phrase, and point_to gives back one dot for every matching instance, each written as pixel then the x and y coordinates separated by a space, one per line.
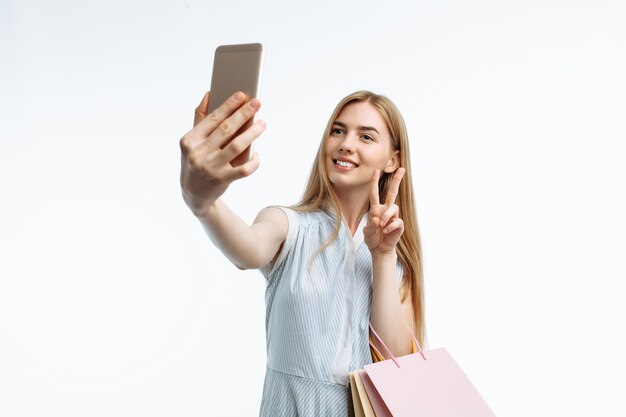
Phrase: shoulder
pixel 272 221
pixel 291 214
pixel 278 225
pixel 283 221
pixel 312 217
pixel 272 214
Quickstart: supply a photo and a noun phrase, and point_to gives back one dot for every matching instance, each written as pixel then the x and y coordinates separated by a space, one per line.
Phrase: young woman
pixel 348 253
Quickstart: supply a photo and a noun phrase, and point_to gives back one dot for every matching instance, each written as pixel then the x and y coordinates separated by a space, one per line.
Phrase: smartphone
pixel 236 68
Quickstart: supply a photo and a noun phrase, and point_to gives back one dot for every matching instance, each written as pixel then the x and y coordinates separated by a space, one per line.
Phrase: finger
pixel 241 142
pixel 392 192
pixel 372 220
pixel 202 109
pixel 193 139
pixel 207 125
pixel 231 126
pixel 374 197
pixel 389 214
pixel 369 230
pixel 198 135
pixel 244 170
pixel 397 225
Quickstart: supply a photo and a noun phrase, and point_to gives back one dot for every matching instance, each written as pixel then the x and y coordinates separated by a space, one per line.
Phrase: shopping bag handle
pixel 391 355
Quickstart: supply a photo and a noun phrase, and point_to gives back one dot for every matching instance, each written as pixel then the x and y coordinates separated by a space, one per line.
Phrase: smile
pixel 344 164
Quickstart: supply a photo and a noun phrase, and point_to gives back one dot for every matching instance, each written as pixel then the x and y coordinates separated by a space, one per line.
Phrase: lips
pixel 345 163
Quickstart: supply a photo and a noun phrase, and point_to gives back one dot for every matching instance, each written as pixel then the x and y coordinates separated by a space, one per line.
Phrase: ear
pixel 393 163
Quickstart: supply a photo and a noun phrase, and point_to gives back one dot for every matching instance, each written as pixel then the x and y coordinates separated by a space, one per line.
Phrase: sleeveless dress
pixel 317 317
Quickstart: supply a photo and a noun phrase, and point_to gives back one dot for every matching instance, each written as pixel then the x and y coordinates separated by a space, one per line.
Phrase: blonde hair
pixel 320 195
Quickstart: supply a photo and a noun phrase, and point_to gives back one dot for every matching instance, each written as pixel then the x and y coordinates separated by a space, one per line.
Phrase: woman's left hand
pixel 384 226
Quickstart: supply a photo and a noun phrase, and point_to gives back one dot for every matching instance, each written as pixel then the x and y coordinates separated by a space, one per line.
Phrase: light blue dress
pixel 317 316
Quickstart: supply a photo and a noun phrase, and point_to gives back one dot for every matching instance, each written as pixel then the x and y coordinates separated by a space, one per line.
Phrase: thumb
pixel 202 109
pixel 248 167
pixel 369 230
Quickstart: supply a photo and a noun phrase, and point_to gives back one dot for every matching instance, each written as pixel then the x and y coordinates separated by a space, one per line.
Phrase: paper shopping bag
pixel 425 384
pixel 360 402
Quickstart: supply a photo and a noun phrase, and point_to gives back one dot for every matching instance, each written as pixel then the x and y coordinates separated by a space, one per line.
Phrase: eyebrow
pixel 341 124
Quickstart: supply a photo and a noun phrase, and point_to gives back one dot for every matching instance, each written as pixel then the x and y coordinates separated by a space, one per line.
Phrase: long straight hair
pixel 319 194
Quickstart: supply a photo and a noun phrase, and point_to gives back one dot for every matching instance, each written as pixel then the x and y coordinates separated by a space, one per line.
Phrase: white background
pixel 113 302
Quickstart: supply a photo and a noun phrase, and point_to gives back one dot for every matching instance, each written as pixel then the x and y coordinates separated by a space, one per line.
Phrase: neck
pixel 354 204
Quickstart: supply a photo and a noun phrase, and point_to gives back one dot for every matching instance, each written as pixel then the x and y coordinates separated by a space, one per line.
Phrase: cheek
pixel 375 158
pixel 328 148
pixel 328 151
pixel 382 157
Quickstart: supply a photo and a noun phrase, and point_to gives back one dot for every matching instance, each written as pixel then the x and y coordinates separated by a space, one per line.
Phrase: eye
pixel 368 138
pixel 337 131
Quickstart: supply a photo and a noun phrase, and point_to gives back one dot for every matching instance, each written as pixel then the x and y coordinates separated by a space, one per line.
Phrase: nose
pixel 347 144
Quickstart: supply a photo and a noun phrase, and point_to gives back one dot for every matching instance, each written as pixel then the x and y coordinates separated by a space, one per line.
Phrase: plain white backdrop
pixel 113 302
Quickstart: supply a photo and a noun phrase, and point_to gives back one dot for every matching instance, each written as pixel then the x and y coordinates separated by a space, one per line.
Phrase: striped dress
pixel 317 315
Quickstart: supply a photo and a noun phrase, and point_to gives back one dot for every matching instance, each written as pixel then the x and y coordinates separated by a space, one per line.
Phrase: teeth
pixel 345 164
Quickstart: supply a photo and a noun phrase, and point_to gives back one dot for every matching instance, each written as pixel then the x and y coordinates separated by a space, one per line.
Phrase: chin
pixel 342 182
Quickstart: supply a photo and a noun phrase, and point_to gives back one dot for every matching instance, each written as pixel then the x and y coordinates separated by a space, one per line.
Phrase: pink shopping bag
pixel 424 384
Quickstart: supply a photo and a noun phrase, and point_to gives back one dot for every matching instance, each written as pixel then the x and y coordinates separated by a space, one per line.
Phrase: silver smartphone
pixel 236 68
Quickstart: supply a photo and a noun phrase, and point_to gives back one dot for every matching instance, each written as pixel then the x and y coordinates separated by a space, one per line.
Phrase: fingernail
pixel 255 104
pixel 238 96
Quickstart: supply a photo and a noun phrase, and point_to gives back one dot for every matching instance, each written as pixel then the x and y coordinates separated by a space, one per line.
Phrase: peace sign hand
pixel 384 226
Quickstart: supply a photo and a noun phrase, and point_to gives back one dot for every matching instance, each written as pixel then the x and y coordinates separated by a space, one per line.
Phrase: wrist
pixel 204 211
pixel 384 256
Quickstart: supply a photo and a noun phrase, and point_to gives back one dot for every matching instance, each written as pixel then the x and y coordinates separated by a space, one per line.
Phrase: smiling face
pixel 358 144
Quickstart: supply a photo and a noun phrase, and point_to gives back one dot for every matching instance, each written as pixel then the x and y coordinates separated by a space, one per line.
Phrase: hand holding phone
pixel 208 149
pixel 236 68
pixel 217 151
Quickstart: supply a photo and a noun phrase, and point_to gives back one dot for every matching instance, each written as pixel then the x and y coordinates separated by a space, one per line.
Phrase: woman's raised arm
pixel 206 173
